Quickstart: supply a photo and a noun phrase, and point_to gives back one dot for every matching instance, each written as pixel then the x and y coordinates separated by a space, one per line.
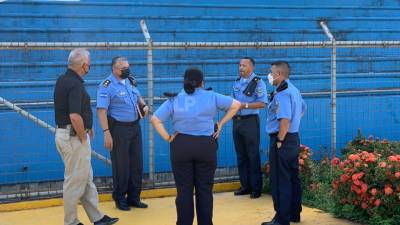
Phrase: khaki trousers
pixel 78 178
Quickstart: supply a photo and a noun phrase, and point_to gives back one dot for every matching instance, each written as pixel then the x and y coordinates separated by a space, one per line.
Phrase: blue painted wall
pixel 27 151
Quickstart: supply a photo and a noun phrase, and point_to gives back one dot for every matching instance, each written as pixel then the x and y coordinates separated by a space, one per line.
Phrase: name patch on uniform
pixel 106 83
pixel 259 91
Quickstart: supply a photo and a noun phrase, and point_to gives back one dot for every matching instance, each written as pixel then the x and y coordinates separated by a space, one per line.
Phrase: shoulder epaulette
pixel 132 81
pixel 283 86
pixel 170 94
pixel 208 89
pixel 251 87
pixel 106 83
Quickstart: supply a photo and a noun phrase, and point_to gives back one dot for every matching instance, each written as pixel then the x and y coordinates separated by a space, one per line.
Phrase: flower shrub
pixel 366 182
pixel 363 185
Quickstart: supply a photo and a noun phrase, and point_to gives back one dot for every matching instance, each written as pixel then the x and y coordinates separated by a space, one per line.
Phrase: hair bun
pixel 192 79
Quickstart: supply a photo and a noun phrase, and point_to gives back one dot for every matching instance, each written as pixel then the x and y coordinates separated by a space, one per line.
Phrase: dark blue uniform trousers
pixel 246 136
pixel 194 161
pixel 127 161
pixel 284 178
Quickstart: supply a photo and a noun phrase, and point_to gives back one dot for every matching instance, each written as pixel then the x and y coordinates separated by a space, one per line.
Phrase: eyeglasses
pixel 124 68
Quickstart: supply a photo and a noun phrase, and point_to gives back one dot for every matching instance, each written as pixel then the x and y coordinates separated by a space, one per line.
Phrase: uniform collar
pixel 114 79
pixel 281 87
pixel 197 91
pixel 72 73
pixel 248 79
pixel 287 81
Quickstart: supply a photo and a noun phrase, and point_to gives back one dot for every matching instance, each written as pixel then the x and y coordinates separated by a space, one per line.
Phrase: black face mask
pixel 125 73
pixel 86 72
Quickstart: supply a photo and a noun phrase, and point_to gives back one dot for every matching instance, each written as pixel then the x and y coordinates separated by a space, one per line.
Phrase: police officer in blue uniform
pixel 193 144
pixel 250 91
pixel 119 108
pixel 285 109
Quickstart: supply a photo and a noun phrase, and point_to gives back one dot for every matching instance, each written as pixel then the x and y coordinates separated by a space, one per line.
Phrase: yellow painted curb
pixel 152 193
pixel 30 205
pixel 226 187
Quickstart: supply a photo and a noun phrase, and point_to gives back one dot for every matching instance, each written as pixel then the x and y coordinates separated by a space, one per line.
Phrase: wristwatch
pixel 246 105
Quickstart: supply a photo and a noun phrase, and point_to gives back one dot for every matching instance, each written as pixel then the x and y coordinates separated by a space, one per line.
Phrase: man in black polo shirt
pixel 74 121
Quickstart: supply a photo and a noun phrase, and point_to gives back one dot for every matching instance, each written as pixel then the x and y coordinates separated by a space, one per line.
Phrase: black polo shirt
pixel 70 96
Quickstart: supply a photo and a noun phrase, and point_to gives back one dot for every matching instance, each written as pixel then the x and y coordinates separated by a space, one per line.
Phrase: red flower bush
pixel 367 182
pixel 304 157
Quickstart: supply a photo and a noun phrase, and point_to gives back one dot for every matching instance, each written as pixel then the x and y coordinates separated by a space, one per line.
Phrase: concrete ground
pixel 228 210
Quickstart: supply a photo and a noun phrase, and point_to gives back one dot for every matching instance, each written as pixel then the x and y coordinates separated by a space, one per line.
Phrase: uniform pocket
pixel 173 141
pixel 118 98
pixel 236 91
pixel 213 143
pixel 289 150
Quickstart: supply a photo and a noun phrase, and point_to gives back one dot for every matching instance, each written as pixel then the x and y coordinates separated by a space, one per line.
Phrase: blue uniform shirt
pixel 287 104
pixel 194 114
pixel 260 94
pixel 118 99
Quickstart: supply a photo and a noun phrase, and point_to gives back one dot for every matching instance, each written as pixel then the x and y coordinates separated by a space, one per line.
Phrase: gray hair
pixel 77 57
pixel 117 59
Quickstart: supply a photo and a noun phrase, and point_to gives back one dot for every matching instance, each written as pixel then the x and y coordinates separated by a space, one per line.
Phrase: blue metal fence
pixel 368 77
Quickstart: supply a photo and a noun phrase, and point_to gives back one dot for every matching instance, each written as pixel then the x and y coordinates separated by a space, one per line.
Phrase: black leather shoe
pixel 106 220
pixel 241 191
pixel 255 195
pixel 272 222
pixel 121 205
pixel 138 204
pixel 295 219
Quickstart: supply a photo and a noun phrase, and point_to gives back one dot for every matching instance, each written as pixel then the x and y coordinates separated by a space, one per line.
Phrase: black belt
pixel 238 117
pixel 70 126
pixel 120 123
pixel 276 133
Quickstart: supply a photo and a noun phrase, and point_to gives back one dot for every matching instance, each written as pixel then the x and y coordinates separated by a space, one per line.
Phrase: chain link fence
pixel 346 85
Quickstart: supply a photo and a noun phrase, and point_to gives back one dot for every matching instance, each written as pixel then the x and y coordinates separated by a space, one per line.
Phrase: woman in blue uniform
pixel 193 144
